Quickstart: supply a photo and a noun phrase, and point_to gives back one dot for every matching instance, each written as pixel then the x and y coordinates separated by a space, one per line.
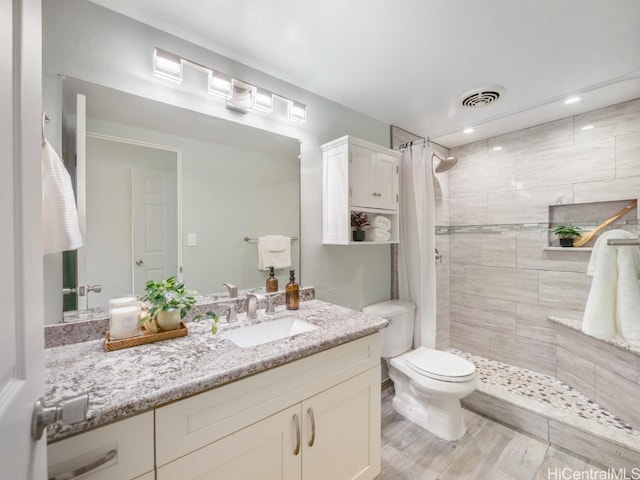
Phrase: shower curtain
pixel 416 261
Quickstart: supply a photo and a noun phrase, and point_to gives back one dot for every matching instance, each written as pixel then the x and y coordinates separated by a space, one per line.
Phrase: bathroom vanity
pixel 306 406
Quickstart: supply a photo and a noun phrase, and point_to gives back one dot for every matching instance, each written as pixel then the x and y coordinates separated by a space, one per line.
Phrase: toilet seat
pixel 439 365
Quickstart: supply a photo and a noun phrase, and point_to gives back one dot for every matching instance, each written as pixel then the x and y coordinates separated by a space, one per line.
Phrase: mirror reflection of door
pixel 154 215
pixel 131 215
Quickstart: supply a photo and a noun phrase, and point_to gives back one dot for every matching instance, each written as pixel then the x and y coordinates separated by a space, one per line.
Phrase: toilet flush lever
pixel 71 410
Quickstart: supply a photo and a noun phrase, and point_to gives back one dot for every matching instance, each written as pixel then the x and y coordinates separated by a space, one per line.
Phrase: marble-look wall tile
pixel 627 155
pixel 481 173
pixel 517 285
pixel 503 347
pixel 526 206
pixel 622 363
pixel 469 338
pixel 497 250
pixel 577 163
pixel 576 371
pixel 485 312
pixel 532 322
pixel 442 306
pixel 531 254
pixel 541 137
pixel 456 283
pixel 607 190
pixel 532 423
pixel 470 150
pixel 568 290
pixel 621 119
pixel 589 446
pixel 468 209
pixel 536 355
pixel 618 395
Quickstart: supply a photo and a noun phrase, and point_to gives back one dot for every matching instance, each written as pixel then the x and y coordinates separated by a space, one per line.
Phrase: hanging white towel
pixel 274 251
pixel 60 227
pixel 377 235
pixel 380 222
pixel 614 299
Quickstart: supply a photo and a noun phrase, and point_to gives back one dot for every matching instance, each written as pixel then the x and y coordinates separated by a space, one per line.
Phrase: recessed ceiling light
pixel 571 100
pixel 497 149
pixel 587 127
pixel 467 130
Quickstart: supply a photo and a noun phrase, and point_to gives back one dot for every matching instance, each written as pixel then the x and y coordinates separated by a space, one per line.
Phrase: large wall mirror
pixel 210 184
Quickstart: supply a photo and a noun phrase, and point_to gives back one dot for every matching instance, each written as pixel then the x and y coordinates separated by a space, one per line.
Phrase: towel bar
pixel 624 242
pixel 249 239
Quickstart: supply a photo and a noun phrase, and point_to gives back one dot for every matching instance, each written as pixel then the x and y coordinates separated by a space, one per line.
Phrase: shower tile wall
pixel 441 194
pixel 501 285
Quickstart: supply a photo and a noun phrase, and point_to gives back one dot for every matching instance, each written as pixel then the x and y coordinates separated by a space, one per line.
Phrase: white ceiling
pixel 406 62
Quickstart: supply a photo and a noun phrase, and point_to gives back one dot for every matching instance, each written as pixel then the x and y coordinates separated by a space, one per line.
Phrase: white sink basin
pixel 268 331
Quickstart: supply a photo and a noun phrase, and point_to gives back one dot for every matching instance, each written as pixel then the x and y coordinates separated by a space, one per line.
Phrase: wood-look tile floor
pixel 488 451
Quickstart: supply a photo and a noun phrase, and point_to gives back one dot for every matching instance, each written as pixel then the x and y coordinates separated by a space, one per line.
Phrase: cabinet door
pixel 264 450
pixel 341 430
pixel 361 162
pixel 386 182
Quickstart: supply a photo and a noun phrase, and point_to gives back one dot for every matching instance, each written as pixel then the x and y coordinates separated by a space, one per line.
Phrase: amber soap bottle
pixel 272 281
pixel 291 292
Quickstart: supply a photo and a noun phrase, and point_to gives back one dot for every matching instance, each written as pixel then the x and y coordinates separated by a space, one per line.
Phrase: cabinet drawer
pixel 194 422
pixel 131 439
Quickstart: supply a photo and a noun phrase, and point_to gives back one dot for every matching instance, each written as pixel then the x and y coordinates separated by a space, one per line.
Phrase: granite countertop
pixel 133 380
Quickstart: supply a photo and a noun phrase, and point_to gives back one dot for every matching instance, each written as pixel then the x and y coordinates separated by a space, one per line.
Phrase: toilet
pixel 428 383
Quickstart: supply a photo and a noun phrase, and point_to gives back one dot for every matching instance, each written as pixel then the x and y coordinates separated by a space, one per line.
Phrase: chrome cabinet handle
pixel 110 455
pixel 296 421
pixel 139 262
pixel 313 428
pixel 377 194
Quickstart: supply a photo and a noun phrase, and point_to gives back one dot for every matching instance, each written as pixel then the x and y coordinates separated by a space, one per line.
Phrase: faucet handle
pixel 231 316
pixel 232 289
pixel 270 303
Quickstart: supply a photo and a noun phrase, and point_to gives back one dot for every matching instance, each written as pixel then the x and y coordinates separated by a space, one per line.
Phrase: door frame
pixel 140 143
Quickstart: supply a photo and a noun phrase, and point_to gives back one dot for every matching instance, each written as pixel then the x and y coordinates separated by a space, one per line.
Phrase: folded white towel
pixel 380 222
pixel 60 229
pixel 274 251
pixel 614 298
pixel 377 235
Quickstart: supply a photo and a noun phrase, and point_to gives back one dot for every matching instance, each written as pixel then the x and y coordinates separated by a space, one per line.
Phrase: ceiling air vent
pixel 481 97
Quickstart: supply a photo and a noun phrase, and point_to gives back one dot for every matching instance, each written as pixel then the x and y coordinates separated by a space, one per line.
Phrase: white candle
pixel 123 302
pixel 124 322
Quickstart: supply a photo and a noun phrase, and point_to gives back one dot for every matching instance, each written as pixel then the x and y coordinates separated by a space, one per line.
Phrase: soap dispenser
pixel 291 292
pixel 272 281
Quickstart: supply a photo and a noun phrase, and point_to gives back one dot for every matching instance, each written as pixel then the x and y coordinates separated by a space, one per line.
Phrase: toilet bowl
pixel 428 383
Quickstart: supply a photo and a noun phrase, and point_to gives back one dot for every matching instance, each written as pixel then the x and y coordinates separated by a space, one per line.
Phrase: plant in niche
pixel 566 234
pixel 171 297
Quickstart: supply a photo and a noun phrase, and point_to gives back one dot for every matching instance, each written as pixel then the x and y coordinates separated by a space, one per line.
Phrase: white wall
pixel 85 41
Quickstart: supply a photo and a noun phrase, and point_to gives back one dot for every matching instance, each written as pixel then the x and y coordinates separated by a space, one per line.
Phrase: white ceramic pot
pixel 169 320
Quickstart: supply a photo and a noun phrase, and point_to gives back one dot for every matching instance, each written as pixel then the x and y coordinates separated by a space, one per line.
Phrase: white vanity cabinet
pixel 358 176
pixel 315 418
pixel 122 450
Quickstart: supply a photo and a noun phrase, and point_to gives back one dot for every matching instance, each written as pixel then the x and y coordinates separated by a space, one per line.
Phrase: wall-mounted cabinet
pixel 359 176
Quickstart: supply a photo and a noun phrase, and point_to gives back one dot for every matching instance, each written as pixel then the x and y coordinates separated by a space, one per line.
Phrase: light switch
pixel 192 240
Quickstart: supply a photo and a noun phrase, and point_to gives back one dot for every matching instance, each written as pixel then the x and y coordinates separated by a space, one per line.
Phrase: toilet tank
pixel 397 338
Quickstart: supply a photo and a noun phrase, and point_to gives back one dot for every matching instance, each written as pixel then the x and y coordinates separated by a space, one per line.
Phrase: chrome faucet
pixel 252 304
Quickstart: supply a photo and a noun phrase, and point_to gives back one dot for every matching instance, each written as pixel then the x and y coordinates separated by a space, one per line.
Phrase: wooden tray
pixel 146 337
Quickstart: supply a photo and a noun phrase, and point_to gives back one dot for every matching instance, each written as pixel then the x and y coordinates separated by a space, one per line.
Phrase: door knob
pixel 139 262
pixel 71 410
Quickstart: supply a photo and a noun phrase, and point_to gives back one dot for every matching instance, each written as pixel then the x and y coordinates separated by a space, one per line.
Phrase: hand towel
pixel 60 228
pixel 380 222
pixel 274 251
pixel 614 291
pixel 376 234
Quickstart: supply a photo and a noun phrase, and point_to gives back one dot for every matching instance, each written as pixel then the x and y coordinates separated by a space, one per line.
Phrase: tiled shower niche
pixel 588 216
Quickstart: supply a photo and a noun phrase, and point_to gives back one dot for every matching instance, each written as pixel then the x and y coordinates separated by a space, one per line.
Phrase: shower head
pixel 445 163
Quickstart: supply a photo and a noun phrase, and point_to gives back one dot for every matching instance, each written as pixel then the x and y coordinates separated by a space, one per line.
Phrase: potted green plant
pixel 566 234
pixel 168 303
pixel 359 220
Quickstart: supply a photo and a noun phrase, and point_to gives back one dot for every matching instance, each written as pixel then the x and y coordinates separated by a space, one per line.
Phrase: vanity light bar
pixel 167 65
pixel 241 96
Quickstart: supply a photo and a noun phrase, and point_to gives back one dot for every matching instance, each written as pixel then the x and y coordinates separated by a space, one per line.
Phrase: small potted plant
pixel 566 234
pixel 359 220
pixel 168 303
